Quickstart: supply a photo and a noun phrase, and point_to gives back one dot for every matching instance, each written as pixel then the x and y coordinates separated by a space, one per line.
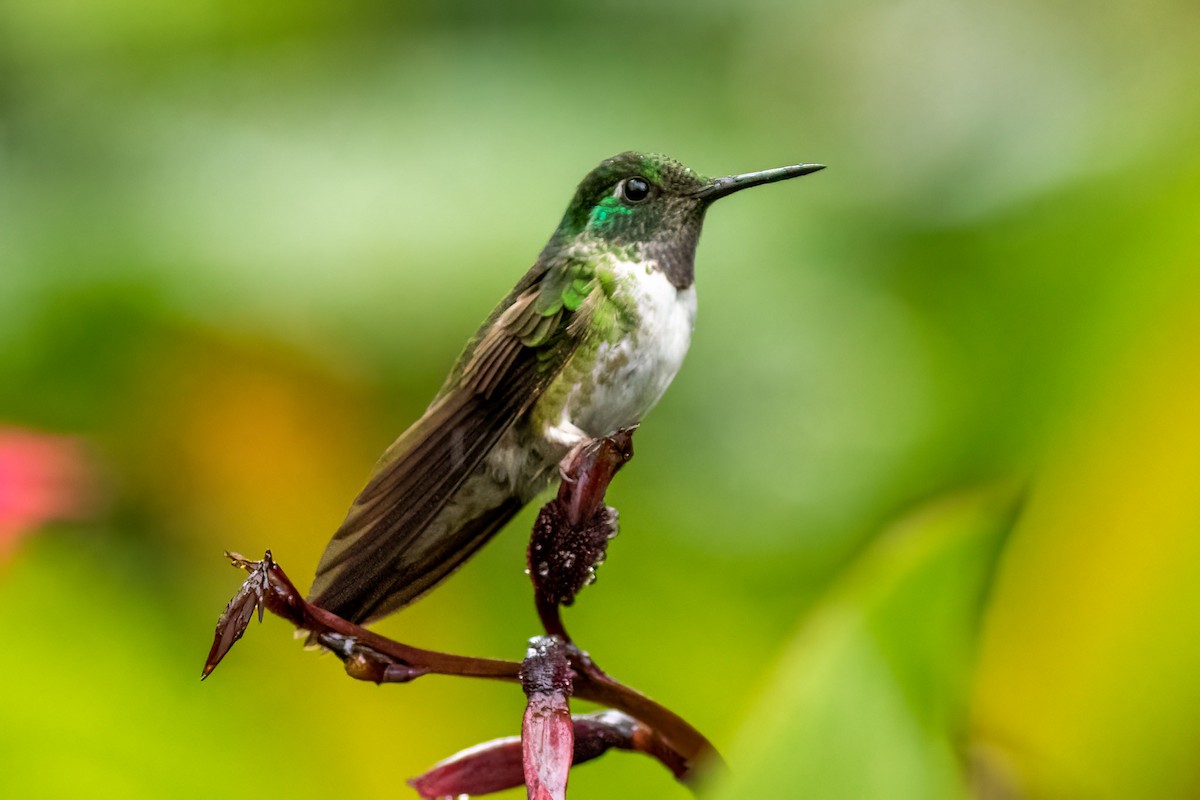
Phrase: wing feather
pixel 383 556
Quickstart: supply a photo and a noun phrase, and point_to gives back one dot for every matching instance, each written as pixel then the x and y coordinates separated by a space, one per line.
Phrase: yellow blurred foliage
pixel 1087 683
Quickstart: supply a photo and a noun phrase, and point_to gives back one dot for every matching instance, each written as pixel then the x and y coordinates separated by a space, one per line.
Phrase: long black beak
pixel 720 187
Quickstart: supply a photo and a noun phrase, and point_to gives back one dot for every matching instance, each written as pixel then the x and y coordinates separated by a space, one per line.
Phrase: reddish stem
pixel 369 656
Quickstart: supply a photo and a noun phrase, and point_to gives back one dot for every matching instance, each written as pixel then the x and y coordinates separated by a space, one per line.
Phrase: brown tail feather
pixel 367 596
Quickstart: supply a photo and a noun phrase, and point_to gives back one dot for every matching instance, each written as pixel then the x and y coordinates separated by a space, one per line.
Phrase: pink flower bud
pixel 489 767
pixel 499 764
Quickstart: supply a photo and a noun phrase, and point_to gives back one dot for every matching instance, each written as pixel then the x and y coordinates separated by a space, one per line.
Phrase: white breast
pixel 631 374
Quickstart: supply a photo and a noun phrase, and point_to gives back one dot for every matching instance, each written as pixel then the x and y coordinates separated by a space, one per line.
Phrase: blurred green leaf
pixel 1087 683
pixel 867 700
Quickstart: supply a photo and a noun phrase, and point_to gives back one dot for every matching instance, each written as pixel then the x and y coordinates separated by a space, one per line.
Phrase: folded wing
pixel 403 533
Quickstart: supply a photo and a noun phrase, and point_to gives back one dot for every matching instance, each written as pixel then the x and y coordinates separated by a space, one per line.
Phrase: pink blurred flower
pixel 43 477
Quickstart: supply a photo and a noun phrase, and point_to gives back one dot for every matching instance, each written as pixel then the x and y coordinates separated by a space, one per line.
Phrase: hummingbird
pixel 584 345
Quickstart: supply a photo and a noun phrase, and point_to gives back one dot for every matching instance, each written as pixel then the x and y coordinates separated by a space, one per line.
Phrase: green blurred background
pixel 919 519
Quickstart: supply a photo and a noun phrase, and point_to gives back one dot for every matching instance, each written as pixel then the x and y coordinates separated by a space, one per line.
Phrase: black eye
pixel 635 190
